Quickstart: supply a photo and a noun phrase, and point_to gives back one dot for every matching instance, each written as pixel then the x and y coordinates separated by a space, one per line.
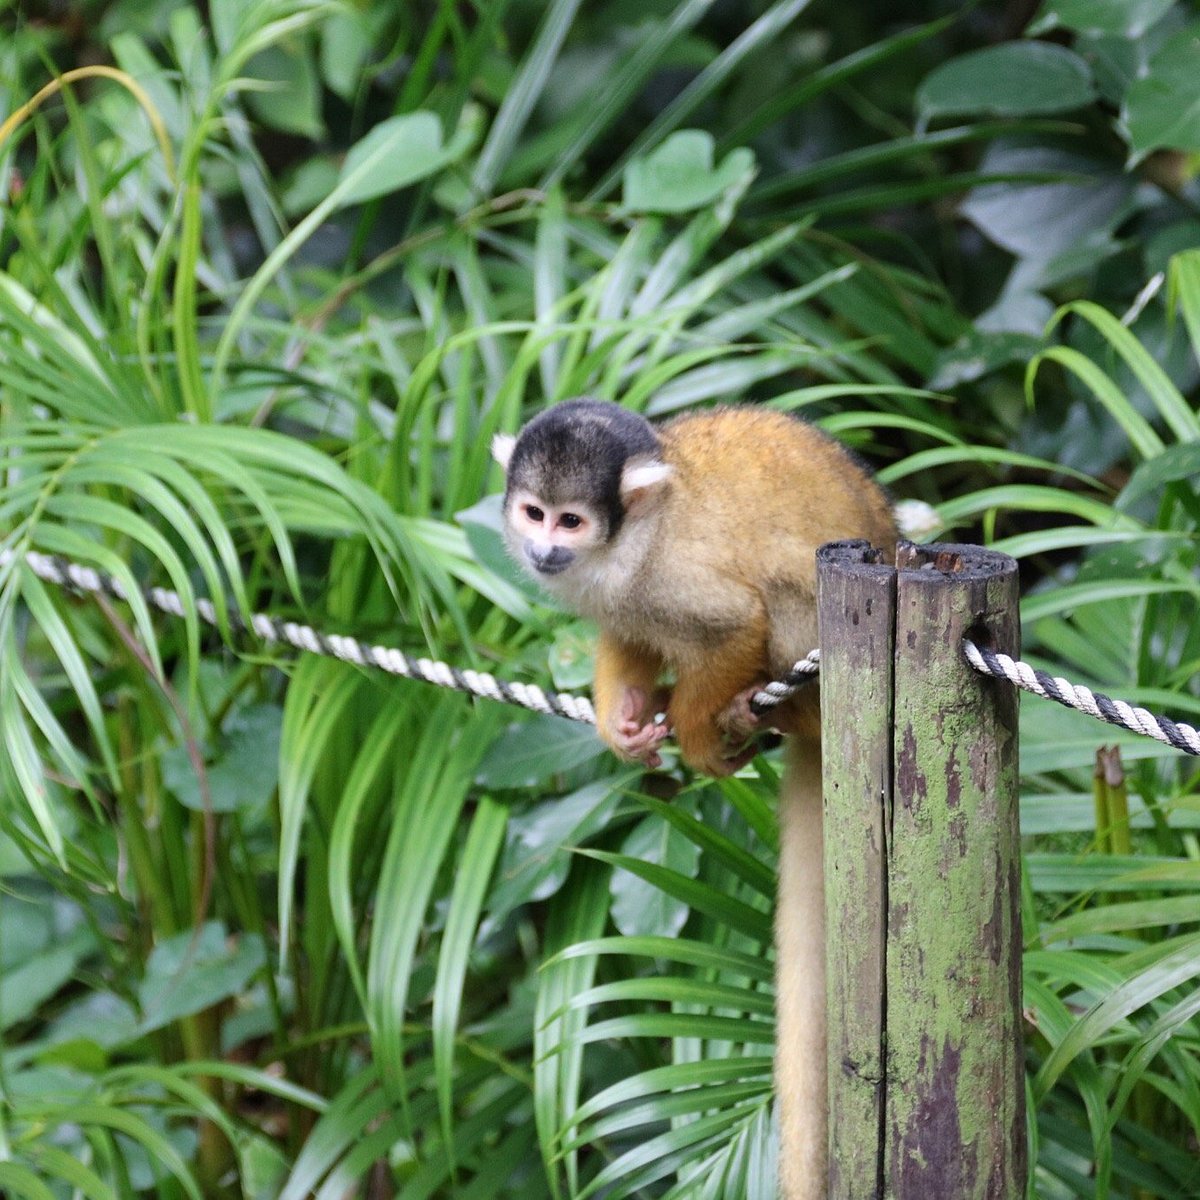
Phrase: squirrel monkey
pixel 693 547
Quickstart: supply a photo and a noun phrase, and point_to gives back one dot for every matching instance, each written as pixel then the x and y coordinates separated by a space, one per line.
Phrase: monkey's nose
pixel 549 560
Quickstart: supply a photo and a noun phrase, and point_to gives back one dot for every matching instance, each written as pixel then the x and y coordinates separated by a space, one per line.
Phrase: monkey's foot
pixel 635 738
pixel 723 759
pixel 739 721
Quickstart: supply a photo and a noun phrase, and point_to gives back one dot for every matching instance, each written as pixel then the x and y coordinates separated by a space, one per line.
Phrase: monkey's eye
pixel 534 513
pixel 570 520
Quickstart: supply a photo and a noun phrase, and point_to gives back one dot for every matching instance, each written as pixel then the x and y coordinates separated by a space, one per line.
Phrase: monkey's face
pixel 551 538
pixel 577 476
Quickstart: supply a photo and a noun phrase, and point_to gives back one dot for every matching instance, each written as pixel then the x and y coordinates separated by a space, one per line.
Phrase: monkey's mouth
pixel 548 561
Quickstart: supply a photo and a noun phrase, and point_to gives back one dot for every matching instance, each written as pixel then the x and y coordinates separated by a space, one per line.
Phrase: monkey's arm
pixel 626 698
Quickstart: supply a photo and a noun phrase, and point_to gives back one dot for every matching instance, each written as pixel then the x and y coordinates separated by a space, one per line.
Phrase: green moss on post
pixel 922 877
pixel 856 608
pixel 955 1096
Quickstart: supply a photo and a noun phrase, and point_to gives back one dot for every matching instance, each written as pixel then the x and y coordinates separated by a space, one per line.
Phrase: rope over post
pixel 922 875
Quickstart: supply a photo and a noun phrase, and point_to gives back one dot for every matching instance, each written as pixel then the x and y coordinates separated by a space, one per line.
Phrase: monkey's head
pixel 575 474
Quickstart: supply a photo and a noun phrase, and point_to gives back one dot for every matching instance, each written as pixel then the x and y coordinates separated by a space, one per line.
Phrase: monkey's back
pixel 753 494
pixel 773 488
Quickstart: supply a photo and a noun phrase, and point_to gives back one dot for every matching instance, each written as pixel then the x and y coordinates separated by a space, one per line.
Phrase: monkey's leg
pixel 626 700
pixel 703 693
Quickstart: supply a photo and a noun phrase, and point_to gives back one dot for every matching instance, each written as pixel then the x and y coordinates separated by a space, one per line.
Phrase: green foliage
pixel 279 927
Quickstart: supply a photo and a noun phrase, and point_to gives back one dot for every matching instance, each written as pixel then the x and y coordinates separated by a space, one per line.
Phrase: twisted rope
pixel 63 573
pixel 1073 695
pixel 776 692
pixel 303 637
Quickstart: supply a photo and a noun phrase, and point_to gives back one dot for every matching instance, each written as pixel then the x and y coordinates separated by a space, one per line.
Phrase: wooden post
pixel 926 1085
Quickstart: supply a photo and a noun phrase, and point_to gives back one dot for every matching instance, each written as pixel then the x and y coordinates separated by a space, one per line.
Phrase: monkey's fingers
pixel 640 742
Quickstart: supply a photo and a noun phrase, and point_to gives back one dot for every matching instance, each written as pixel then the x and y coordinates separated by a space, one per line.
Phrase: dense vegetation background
pixel 271 274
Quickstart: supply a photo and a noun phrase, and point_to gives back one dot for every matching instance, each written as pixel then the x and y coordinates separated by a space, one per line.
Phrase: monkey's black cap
pixel 577 450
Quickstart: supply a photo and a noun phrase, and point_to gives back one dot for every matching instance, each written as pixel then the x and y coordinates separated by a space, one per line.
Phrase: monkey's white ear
pixel 502 448
pixel 641 480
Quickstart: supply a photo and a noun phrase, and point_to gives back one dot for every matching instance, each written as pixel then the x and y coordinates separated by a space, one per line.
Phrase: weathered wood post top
pixel 922 875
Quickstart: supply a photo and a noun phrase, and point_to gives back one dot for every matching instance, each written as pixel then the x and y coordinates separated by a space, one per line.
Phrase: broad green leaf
pixel 244 770
pixel 1011 80
pixel 1175 464
pixel 530 751
pixel 185 975
pixel 396 153
pixel 1116 18
pixel 1074 207
pixel 346 44
pixel 538 854
pixel 1162 108
pixel 637 906
pixel 28 984
pixel 681 176
pixel 287 92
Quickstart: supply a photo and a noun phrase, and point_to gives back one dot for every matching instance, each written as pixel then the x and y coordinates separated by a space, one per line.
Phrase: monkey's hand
pixel 633 734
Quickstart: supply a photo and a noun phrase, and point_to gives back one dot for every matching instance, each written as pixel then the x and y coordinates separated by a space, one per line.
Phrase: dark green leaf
pixel 1011 80
pixel 398 152
pixel 1162 108
pixel 1120 18
pixel 245 769
pixel 289 98
pixel 186 974
pixel 527 753
pixel 638 906
pixel 1042 220
pixel 1176 463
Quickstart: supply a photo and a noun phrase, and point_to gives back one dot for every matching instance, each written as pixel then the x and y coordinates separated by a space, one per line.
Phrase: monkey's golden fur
pixel 724 595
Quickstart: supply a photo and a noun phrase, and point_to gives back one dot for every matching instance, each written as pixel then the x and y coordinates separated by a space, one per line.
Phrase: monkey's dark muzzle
pixel 549 560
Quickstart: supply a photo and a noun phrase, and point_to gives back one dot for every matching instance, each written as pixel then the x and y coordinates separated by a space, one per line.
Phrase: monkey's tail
pixel 800 1069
